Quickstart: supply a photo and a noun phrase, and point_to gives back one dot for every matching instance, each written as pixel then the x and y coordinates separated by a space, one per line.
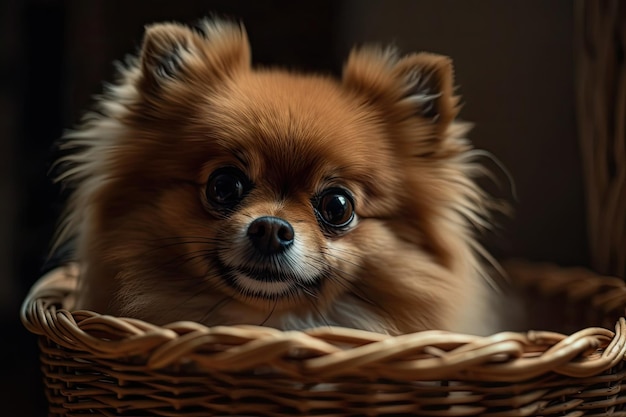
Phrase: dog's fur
pixel 151 245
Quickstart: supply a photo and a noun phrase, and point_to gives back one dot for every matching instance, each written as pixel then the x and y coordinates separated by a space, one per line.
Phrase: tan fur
pixel 146 237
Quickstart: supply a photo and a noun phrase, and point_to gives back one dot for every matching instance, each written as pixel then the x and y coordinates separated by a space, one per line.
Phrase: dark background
pixel 515 71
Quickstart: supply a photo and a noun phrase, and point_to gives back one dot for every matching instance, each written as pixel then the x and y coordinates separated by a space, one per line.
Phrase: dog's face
pixel 284 184
pixel 210 191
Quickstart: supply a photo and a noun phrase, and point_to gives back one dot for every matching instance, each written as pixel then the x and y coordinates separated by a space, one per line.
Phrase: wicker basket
pixel 103 365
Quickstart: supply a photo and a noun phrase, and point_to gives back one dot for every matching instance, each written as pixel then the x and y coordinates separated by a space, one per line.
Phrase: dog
pixel 202 188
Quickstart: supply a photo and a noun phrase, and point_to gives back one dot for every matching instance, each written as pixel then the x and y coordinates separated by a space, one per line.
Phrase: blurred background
pixel 515 69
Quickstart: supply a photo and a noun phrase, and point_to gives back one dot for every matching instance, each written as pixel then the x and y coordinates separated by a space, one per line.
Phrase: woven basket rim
pixel 321 352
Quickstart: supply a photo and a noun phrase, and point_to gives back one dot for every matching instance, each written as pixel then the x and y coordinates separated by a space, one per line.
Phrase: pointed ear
pixel 172 52
pixel 164 49
pixel 430 80
pixel 417 85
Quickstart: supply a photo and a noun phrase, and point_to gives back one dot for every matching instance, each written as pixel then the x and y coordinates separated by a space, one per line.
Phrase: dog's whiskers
pixel 216 308
pixel 271 313
pixel 337 276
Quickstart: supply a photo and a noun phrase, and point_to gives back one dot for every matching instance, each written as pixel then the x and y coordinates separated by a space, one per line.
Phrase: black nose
pixel 270 235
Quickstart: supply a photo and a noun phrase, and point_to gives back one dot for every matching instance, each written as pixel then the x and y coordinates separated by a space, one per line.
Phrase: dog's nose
pixel 270 235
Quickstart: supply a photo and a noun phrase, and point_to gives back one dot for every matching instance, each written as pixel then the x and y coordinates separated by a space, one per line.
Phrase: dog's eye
pixel 335 207
pixel 226 187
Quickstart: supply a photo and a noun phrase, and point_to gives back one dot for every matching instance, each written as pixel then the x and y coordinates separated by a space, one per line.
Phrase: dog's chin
pixel 283 285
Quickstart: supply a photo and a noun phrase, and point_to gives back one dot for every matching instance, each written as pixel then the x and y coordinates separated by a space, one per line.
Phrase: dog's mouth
pixel 265 282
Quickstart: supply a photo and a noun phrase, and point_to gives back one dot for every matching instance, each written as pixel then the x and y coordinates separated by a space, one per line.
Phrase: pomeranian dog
pixel 204 189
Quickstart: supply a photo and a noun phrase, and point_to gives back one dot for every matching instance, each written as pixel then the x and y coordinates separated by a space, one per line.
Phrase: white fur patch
pixel 265 288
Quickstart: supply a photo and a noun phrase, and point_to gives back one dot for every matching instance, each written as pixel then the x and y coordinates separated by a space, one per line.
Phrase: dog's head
pixel 208 190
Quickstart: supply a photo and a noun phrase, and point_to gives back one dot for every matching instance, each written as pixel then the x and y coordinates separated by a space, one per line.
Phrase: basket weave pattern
pixel 104 365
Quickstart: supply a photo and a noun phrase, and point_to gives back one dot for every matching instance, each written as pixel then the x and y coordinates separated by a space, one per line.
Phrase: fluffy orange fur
pixel 380 144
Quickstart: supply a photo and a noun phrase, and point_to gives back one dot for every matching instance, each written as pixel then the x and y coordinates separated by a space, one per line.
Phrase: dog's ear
pixel 415 86
pixel 430 86
pixel 205 53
